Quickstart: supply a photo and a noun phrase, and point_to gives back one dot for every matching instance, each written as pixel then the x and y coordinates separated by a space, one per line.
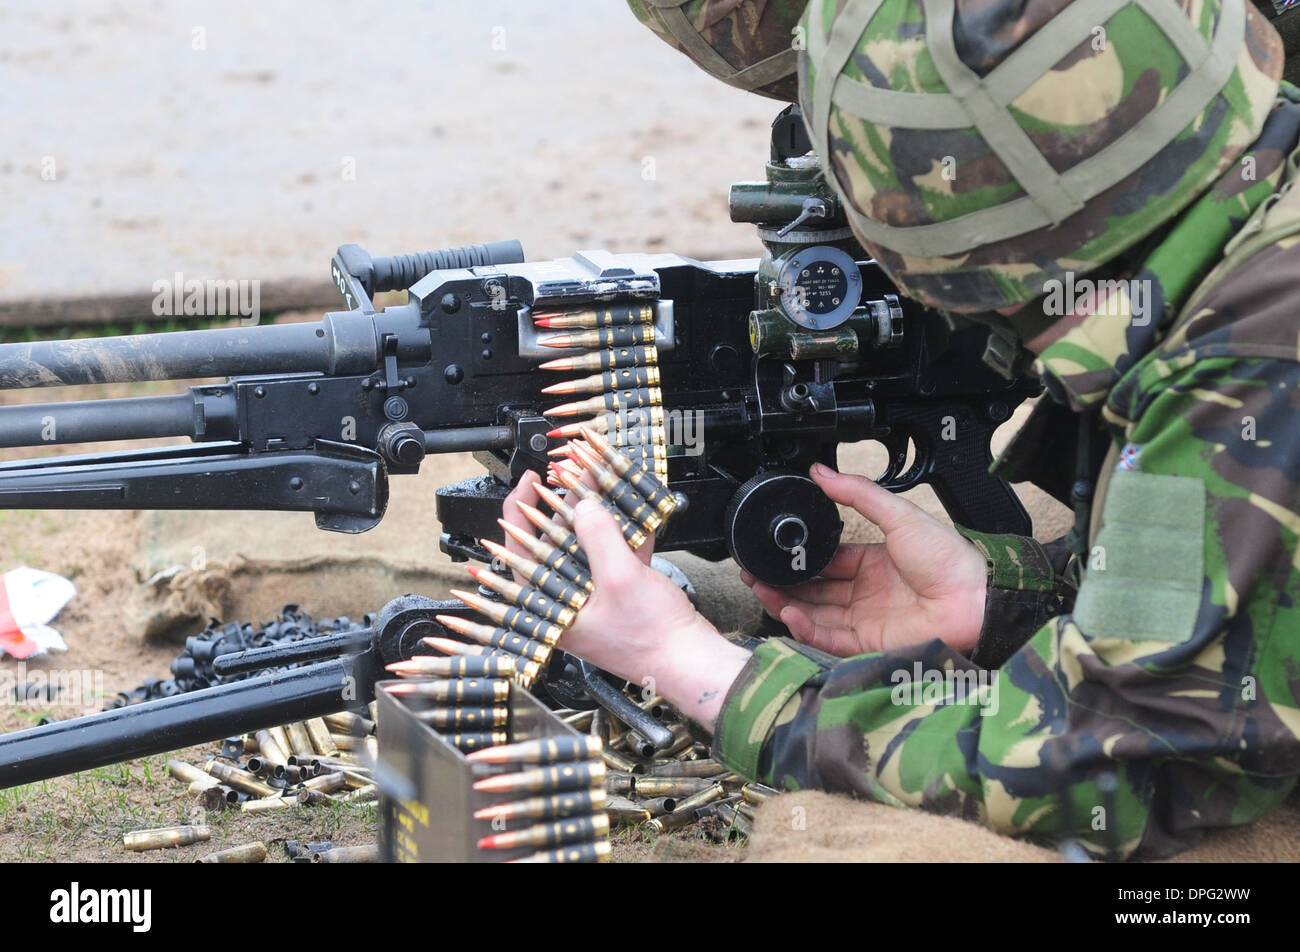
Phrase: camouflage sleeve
pixel 1166 704
pixel 1028 584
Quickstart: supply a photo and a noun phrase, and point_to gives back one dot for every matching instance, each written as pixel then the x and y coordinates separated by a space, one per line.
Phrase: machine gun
pixel 764 366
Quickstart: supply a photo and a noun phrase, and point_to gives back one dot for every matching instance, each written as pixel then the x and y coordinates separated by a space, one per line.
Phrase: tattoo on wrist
pixel 706 697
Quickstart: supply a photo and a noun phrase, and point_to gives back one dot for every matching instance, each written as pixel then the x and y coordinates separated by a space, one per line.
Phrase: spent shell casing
pixel 321 739
pixel 612 401
pixel 205 782
pixel 619 783
pixel 281 739
pixel 688 768
pixel 610 359
pixel 656 706
pixel 264 768
pixel 559 587
pixel 248 853
pixel 347 742
pixel 296 775
pixel 477 740
pixel 530 600
pixel 308 797
pixel 713 792
pixel 326 782
pixel 483 692
pixel 683 742
pixel 597 852
pixel 596 317
pixel 579 720
pixel 636 744
pixel 299 739
pixel 551 779
pixel 349 723
pixel 186 773
pixel 679 787
pixel 464 718
pixel 362 794
pixel 614 337
pixel 348 854
pixel 137 841
pixel 268 747
pixel 747 810
pixel 616 761
pixel 623 810
pixel 658 806
pixel 513 617
pixel 549 556
pixel 625 378
pixel 240 779
pixel 549 807
pixel 677 820
pixel 757 793
pixel 543 750
pixel 213 799
pixel 568 830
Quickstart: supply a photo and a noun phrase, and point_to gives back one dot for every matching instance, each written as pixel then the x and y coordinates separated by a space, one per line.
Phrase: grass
pixel 84 816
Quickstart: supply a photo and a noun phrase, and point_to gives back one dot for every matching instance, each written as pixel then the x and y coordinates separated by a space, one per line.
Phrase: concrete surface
pixel 247 140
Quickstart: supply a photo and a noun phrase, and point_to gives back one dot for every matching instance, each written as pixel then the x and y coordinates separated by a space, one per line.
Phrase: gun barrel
pixel 341 343
pixel 92 421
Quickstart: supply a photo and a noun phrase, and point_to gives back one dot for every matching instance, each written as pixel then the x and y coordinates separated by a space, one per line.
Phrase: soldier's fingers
pixel 816 592
pixel 775 601
pixel 525 491
pixel 612 562
pixel 826 591
pixel 772 599
pixel 885 509
pixel 838 641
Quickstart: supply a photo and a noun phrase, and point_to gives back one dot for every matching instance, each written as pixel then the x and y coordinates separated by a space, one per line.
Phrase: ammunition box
pixel 427 801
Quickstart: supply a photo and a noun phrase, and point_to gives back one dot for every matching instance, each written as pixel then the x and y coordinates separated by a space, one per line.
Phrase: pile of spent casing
pixel 321 760
pixel 192 670
pixel 671 789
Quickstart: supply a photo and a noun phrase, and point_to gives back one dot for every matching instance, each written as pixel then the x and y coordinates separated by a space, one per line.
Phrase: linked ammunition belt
pixel 523 627
pixel 622 397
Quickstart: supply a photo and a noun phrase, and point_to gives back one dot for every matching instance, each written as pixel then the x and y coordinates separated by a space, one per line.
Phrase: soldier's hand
pixel 525 491
pixel 640 626
pixel 924 581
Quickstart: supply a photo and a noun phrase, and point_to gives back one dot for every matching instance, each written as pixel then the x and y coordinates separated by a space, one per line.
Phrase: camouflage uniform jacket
pixel 1163 698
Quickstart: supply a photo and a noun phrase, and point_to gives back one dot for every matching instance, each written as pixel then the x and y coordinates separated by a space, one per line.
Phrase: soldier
pixel 1107 185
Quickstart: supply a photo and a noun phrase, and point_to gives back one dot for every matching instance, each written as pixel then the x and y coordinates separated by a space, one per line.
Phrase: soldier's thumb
pixel 876 503
pixel 607 552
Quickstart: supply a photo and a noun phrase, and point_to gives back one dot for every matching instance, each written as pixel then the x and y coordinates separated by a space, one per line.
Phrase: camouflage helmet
pixel 987 147
pixel 749 44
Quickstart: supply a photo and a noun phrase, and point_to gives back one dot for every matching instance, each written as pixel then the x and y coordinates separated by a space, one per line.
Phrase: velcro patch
pixel 1146 568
